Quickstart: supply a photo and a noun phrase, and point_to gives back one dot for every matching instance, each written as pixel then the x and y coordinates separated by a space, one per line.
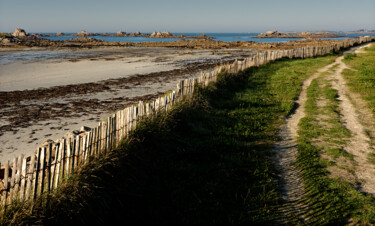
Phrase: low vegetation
pixel 328 170
pixel 206 162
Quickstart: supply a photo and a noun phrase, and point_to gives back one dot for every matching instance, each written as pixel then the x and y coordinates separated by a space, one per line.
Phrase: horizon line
pixel 297 30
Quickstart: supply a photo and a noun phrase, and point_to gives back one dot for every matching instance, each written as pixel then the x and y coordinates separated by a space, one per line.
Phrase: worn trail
pixel 286 156
pixel 359 144
pixel 286 149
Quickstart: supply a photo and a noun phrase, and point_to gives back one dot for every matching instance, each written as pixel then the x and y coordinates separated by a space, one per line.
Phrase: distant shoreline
pixel 305 34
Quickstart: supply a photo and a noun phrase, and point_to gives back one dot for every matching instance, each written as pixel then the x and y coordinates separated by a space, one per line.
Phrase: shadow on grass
pixel 205 162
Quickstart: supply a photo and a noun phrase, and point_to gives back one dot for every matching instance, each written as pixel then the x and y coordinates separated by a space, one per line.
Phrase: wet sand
pixel 44 99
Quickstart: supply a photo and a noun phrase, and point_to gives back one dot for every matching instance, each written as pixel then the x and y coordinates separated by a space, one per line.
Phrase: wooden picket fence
pixel 27 178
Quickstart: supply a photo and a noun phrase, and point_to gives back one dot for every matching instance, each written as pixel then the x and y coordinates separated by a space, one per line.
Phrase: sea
pixel 32 55
pixel 225 37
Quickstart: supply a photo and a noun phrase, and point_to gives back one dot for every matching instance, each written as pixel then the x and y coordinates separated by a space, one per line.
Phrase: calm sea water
pixel 37 55
pixel 225 37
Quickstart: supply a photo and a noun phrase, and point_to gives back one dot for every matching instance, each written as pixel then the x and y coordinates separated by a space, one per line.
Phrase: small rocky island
pixel 164 34
pixel 305 34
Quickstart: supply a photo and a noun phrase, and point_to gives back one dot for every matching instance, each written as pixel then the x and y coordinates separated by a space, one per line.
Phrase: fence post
pixel 30 177
pixel 36 180
pixel 18 177
pixel 42 171
pixel 68 156
pixel 23 179
pixel 6 184
pixel 48 166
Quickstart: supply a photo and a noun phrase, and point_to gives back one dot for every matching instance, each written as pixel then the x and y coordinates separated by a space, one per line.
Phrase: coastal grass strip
pixel 207 161
pixel 332 200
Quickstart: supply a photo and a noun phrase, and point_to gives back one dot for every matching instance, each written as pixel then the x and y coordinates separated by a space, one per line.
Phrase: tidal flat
pixel 47 92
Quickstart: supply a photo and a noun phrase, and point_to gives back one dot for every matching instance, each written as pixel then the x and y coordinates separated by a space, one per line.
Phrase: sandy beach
pixel 44 96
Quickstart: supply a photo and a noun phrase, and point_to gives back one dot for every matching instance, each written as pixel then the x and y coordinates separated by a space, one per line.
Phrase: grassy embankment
pixel 205 162
pixel 331 183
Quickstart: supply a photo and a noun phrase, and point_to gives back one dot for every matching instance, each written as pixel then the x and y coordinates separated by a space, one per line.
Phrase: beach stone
pixel 19 32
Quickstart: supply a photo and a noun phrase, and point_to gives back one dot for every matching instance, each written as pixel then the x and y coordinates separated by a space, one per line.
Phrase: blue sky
pixel 186 15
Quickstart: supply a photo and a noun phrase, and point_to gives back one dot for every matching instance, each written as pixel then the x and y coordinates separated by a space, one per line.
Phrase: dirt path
pixel 286 149
pixel 359 144
pixel 286 156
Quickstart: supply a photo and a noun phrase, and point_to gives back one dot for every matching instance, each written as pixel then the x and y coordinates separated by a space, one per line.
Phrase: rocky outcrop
pixel 305 34
pixel 164 34
pixel 82 33
pixel 19 33
pixel 269 34
pixel 5 41
pixel 120 33
pixel 203 36
pixel 273 33
pixel 59 34
pixel 84 40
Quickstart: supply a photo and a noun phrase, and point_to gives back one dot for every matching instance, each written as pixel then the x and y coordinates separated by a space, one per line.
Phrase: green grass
pixel 362 79
pixel 371 157
pixel 350 56
pixel 331 200
pixel 337 152
pixel 206 162
pixel 336 129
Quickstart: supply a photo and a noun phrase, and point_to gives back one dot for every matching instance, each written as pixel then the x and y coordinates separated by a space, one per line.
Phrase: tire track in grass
pixel 359 144
pixel 286 156
pixel 297 209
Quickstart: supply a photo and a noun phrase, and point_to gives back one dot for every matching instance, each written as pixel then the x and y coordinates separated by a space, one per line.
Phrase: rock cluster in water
pixel 15 37
pixel 164 34
pixel 19 33
pixel 22 39
pixel 305 34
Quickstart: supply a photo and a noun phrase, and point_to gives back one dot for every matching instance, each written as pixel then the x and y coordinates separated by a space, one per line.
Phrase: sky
pixel 186 15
